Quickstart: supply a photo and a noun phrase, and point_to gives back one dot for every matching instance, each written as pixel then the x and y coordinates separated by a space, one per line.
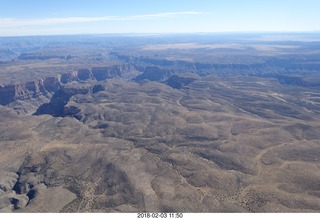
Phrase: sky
pixel 52 17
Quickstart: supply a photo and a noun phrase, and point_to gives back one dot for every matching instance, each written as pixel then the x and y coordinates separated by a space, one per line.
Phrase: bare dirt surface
pixel 135 138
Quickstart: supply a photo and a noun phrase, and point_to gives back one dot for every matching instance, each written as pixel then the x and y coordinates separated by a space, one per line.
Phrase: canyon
pixel 167 124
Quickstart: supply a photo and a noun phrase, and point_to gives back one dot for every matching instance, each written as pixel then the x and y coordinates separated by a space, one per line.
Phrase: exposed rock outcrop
pixel 31 89
pixel 56 107
pixel 176 81
pixel 116 71
pixel 85 74
pixel 154 73
pixel 67 78
pixel 49 85
pixel 97 88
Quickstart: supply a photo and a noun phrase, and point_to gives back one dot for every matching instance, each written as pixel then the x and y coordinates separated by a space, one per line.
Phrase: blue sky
pixel 46 17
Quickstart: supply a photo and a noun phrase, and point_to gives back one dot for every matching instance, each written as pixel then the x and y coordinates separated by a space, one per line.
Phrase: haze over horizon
pixel 18 17
pixel 159 108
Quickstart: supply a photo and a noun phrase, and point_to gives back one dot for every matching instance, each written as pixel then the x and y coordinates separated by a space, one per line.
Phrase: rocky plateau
pixel 130 128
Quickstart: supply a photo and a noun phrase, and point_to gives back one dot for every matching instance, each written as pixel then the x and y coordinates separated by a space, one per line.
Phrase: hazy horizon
pixel 170 33
pixel 27 18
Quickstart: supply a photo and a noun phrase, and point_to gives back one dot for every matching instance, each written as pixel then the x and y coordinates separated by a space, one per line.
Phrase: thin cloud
pixel 12 22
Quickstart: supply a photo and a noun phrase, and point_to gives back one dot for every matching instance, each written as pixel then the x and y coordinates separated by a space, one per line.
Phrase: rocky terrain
pixel 134 134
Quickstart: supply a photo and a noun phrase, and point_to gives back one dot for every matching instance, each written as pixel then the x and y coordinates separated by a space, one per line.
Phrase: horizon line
pixel 168 33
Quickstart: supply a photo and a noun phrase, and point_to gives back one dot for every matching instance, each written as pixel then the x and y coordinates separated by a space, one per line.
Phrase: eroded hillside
pixel 161 137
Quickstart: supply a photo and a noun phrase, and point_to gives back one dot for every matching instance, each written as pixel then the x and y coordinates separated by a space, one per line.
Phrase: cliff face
pixel 84 74
pixel 31 89
pixel 154 73
pixel 7 94
pixel 51 84
pixel 56 106
pixel 116 71
pixel 178 82
pixel 43 87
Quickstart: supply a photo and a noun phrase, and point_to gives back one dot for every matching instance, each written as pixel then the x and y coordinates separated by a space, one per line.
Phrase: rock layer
pixel 41 87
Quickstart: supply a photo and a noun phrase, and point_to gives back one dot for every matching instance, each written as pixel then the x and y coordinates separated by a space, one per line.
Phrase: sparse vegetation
pixel 124 128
